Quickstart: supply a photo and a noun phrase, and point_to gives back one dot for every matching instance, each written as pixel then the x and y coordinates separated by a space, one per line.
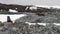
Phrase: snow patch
pixel 10 10
pixel 31 8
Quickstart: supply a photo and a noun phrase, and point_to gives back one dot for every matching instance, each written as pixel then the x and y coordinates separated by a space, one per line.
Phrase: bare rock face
pixel 28 18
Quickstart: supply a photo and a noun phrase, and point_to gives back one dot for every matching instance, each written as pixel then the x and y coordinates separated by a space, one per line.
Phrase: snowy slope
pixel 3 17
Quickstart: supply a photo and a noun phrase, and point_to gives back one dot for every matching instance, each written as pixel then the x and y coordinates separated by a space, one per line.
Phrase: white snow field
pixel 3 17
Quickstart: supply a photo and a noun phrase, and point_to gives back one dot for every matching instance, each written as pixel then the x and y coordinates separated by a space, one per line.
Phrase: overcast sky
pixel 32 2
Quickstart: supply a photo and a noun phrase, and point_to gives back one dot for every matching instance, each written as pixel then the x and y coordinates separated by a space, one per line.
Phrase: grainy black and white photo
pixel 29 16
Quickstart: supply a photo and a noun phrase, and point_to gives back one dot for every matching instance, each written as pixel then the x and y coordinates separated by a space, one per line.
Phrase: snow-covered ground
pixel 3 17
